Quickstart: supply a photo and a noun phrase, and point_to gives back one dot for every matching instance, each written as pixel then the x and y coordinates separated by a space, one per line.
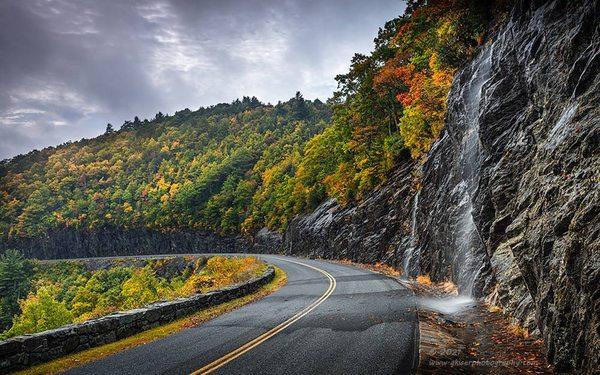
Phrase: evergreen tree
pixel 127 125
pixel 136 122
pixel 300 108
pixel 15 275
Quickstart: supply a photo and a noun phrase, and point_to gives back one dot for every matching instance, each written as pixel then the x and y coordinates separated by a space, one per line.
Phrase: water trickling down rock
pixel 510 200
pixel 412 251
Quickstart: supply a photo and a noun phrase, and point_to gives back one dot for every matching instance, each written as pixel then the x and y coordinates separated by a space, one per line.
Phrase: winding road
pixel 328 319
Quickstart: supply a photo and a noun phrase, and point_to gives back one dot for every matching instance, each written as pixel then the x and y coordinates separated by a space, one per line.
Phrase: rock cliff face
pixel 372 231
pixel 509 208
pixel 110 241
pixel 266 242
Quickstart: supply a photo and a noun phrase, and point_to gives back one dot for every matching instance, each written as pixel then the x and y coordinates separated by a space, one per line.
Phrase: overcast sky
pixel 69 67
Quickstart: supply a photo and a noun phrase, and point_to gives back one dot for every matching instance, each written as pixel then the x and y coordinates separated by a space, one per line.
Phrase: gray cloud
pixel 69 67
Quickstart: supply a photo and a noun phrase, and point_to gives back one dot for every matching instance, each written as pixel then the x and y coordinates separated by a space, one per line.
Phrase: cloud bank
pixel 70 67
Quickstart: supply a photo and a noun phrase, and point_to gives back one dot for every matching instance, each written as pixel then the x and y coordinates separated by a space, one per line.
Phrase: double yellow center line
pixel 273 331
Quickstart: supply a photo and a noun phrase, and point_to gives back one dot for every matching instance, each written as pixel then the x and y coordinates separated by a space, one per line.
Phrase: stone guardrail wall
pixel 27 350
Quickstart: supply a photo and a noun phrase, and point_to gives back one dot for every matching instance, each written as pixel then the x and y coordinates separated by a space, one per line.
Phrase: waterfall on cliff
pixel 466 238
pixel 411 250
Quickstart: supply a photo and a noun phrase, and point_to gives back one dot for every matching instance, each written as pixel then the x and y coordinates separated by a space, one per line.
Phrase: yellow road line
pixel 273 331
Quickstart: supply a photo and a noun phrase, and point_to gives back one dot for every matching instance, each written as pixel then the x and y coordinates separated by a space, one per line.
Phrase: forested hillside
pixel 245 165
pixel 198 169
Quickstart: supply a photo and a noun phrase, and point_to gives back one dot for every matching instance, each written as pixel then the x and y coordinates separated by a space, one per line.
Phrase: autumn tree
pixel 40 311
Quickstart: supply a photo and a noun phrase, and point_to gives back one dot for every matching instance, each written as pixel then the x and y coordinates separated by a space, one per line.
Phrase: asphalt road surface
pixel 328 319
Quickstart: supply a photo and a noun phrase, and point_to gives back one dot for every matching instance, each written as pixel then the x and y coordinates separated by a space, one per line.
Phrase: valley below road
pixel 328 318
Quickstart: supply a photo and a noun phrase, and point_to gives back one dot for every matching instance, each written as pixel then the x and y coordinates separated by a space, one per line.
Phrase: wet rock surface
pixel 371 231
pixel 539 173
pixel 509 208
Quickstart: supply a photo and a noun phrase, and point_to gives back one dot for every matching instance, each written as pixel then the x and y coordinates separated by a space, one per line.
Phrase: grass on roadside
pixel 77 359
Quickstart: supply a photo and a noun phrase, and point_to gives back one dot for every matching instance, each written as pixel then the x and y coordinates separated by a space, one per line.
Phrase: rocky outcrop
pixel 510 199
pixel 266 241
pixel 112 241
pixel 27 350
pixel 534 197
pixel 368 232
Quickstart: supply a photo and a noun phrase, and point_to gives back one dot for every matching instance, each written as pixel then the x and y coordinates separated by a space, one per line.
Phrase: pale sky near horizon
pixel 69 67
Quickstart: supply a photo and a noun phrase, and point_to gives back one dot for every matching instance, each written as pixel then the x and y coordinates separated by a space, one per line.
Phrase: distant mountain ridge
pixel 193 170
